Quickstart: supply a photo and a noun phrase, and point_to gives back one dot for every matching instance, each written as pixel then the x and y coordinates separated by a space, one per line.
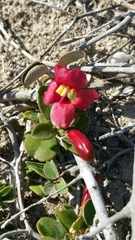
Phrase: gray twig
pixel 126 212
pixel 127 68
pixel 14 233
pixel 11 132
pixel 15 45
pixel 38 202
pixel 117 133
pixel 52 6
pixel 107 33
pixel 108 163
pixel 87 174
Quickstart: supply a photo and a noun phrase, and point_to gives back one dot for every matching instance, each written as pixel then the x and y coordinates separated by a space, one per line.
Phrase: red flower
pixel 66 91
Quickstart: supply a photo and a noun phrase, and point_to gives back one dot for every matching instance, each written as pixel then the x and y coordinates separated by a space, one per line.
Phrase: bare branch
pixel 87 174
pixel 22 95
pixel 11 132
pixel 39 202
pixel 107 33
pixel 124 213
pixel 127 68
pixel 15 45
pixel 15 232
pixel 52 6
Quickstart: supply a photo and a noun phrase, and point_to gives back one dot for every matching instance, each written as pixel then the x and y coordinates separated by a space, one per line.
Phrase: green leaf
pixel 37 167
pixel 6 191
pixel 47 238
pixel 50 170
pixel 67 206
pixel 31 115
pixel 49 227
pixel 88 212
pixel 66 218
pixel 68 146
pixel 49 189
pixel 37 188
pixel 70 57
pixel 44 109
pixel 83 121
pixel 42 119
pixel 42 150
pixel 61 184
pixel 33 72
pixel 77 225
pixel 43 131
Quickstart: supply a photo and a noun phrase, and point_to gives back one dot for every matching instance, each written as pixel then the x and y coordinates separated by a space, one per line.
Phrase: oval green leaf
pixel 33 72
pixel 6 190
pixel 50 170
pixel 31 115
pixel 37 188
pixel 83 121
pixel 44 109
pixel 78 224
pixel 36 167
pixel 68 146
pixel 61 183
pixel 47 238
pixel 42 150
pixel 49 189
pixel 66 218
pixel 43 131
pixel 70 57
pixel 88 212
pixel 50 227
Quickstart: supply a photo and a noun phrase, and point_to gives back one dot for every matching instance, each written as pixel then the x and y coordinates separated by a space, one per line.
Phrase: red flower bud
pixel 83 146
pixel 85 196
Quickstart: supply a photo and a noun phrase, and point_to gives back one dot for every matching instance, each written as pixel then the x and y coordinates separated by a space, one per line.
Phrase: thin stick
pixel 39 202
pixel 19 95
pixel 12 134
pixel 14 233
pixel 117 133
pixel 107 33
pixel 87 174
pixel 19 197
pixel 132 202
pixel 125 4
pixel 52 6
pixel 124 213
pixel 126 68
pixel 77 18
pixel 15 45
pixel 111 160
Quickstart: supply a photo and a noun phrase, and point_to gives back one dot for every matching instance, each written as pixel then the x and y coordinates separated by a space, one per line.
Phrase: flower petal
pixel 61 74
pixel 74 78
pixel 77 79
pixel 50 96
pixel 62 114
pixel 84 98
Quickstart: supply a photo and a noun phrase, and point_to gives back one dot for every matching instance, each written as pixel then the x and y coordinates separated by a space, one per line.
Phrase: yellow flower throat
pixel 64 91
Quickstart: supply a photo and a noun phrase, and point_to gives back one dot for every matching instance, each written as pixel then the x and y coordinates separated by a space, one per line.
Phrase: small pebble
pixel 98 111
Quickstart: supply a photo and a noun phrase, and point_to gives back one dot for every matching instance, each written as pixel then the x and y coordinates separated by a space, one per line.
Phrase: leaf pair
pixel 50 172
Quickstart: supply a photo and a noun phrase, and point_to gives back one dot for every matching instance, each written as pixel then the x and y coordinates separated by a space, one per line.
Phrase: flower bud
pixel 83 146
pixel 85 196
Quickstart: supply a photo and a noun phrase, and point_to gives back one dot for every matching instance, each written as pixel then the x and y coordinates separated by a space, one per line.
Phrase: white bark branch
pixel 87 174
